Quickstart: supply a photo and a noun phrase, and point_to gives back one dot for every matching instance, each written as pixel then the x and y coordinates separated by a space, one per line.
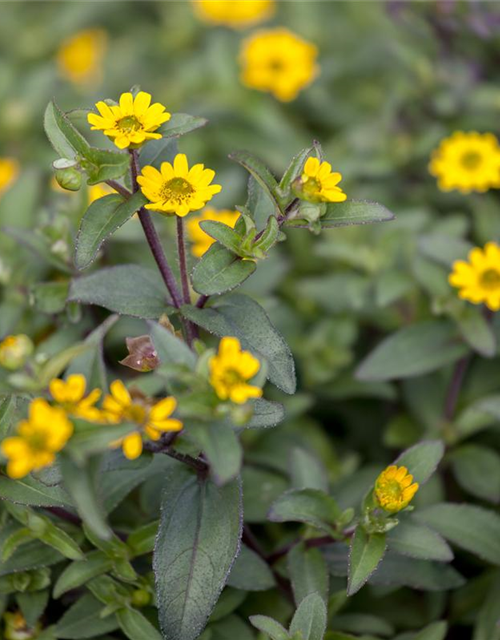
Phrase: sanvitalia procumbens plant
pixel 81 449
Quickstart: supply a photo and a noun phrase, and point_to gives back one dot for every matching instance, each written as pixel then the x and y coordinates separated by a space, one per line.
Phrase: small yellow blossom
pixel 14 351
pixel 394 488
pixel 230 371
pixel 16 627
pixel 319 184
pixel 97 191
pixel 278 61
pixel 38 439
pixel 201 240
pixel 467 162
pixel 234 13
pixel 132 122
pixel 152 419
pixel 70 395
pixel 177 188
pixel 80 56
pixel 9 170
pixel 479 279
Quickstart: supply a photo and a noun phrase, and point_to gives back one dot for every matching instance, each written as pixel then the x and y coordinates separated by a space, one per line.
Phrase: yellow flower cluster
pixel 80 56
pixel 278 61
pixel 9 170
pixel 201 240
pixel 394 488
pixel 478 280
pixel 234 13
pixel 467 162
pixel 230 371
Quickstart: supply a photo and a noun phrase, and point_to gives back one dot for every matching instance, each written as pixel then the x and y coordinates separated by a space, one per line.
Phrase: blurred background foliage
pixel 395 78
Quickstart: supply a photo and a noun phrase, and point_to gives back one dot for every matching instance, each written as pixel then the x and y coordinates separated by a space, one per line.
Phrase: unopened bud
pixel 14 351
pixel 69 179
pixel 141 598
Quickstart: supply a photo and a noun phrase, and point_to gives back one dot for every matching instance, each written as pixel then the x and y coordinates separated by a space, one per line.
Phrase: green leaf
pixel 38 245
pixel 32 555
pixel 477 331
pixel 8 410
pixel 262 487
pixel 261 173
pixel 269 627
pixel 472 528
pixel 219 270
pixel 126 289
pixel 32 605
pixel 54 367
pixel 49 297
pixel 367 550
pixel 135 626
pixel 477 470
pixel 250 572
pixel 486 625
pixel 156 152
pixel 417 541
pixel 81 484
pixel 295 169
pixel 198 540
pixel 266 413
pixel 104 216
pixel 306 505
pixel 142 540
pixel 223 233
pixel 412 351
pixel 422 459
pixel 29 491
pixel 78 573
pixel 434 631
pixel 401 571
pixel 170 348
pixel 221 447
pixel 180 124
pixel 352 212
pixel 444 249
pixel 308 572
pixel 309 621
pixel 240 316
pixel 83 620
pixel 52 124
pixel 307 471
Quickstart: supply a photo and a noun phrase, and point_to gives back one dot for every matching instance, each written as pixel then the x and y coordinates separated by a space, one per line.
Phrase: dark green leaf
pixel 308 572
pixel 417 541
pixel 170 348
pixel 310 618
pixel 396 570
pixel 444 249
pixel 198 540
pixel 265 414
pixel 50 297
pixel 79 572
pixel 104 216
pixel 135 626
pixel 306 505
pixel 126 289
pixel 240 316
pixel 422 459
pixel 477 470
pixel 434 631
pixel 180 124
pixel 367 550
pixel 219 271
pixel 223 233
pixel 260 172
pixel 269 627
pixel 82 620
pixel 307 471
pixel 30 492
pixel 250 572
pixel 221 447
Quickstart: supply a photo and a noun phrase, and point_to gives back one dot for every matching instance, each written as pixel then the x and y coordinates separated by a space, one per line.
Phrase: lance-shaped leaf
pixel 367 550
pixel 295 169
pixel 350 212
pixel 308 572
pixel 266 413
pixel 240 316
pixel 29 491
pixel 261 174
pixel 309 621
pixel 223 233
pixel 418 541
pixel 221 447
pixel 125 289
pixel 250 572
pixel 198 540
pixel 170 348
pixel 180 124
pixel 306 505
pixel 422 459
pixel 135 626
pixel 219 270
pixel 270 627
pixel 477 470
pixel 104 216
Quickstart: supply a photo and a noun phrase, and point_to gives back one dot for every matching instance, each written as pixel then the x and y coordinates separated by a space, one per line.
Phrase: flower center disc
pixel 232 377
pixel 311 187
pixel 136 413
pixel 177 189
pixel 490 279
pixel 129 123
pixel 471 160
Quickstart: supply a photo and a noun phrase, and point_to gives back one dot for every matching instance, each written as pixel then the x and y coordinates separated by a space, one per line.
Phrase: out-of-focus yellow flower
pixel 177 188
pixel 319 184
pixel 478 280
pixel 278 61
pixel 38 439
pixel 14 351
pixel 9 170
pixel 153 420
pixel 201 240
pixel 97 191
pixel 467 162
pixel 70 395
pixel 394 488
pixel 16 627
pixel 80 56
pixel 230 371
pixel 132 122
pixel 234 13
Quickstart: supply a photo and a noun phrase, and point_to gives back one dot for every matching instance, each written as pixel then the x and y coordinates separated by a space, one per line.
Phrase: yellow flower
pixel 201 240
pixel 479 279
pixel 14 351
pixel 278 61
pixel 16 627
pixel 38 439
pixel 97 191
pixel 80 56
pixel 230 371
pixel 394 488
pixel 319 184
pixel 467 162
pixel 152 419
pixel 9 170
pixel 234 13
pixel 176 188
pixel 70 395
pixel 132 122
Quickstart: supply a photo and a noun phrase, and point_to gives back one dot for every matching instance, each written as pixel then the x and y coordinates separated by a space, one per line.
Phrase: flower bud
pixel 69 179
pixel 14 351
pixel 141 598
